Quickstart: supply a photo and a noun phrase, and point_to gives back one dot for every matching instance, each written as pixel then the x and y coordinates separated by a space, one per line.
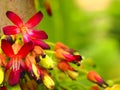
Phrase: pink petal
pixel 7 48
pixel 77 58
pixel 10 30
pixel 26 38
pixel 26 48
pixel 9 64
pixel 14 77
pixel 38 34
pixel 72 58
pixel 34 20
pixel 14 18
pixel 29 69
pixel 23 64
pixel 99 79
pixel 69 57
pixel 41 44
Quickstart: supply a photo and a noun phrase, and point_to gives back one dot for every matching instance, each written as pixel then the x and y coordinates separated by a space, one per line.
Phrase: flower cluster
pixel 25 60
pixel 23 57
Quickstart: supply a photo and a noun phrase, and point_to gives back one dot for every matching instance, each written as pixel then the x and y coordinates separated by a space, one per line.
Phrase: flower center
pixel 24 29
pixel 16 63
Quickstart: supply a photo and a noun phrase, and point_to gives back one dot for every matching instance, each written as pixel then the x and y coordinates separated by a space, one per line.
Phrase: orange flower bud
pixel 37 51
pixel 95 87
pixel 65 53
pixel 96 78
pixel 65 67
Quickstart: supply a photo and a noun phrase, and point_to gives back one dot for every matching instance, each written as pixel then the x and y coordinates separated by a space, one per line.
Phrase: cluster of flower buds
pixel 66 55
pixel 23 59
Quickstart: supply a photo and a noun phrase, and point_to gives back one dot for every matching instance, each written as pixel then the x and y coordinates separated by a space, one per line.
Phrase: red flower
pixel 65 53
pixel 36 36
pixel 16 63
pixel 39 73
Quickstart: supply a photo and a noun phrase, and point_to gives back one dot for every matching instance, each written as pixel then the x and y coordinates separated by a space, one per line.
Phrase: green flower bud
pixel 46 62
pixel 1 75
pixel 48 82
pixel 72 74
pixel 114 87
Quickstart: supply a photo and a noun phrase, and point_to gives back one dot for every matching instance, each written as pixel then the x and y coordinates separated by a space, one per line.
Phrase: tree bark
pixel 24 8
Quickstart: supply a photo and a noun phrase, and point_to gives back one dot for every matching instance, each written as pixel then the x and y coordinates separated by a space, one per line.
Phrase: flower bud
pixel 1 75
pixel 72 74
pixel 37 51
pixel 46 62
pixel 65 53
pixel 114 87
pixel 96 78
pixel 48 82
pixel 65 67
pixel 95 87
pixel 48 7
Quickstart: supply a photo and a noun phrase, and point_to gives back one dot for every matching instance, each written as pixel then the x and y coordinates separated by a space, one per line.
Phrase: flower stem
pixel 50 43
pixel 83 71
pixel 50 51
pixel 115 80
pixel 27 78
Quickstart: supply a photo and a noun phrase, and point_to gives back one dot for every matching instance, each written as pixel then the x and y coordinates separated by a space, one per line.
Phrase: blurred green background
pixel 90 26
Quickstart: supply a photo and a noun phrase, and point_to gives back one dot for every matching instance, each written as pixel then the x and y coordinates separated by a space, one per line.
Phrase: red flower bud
pixel 96 78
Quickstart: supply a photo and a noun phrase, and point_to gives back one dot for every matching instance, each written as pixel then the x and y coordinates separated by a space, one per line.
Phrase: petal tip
pixel 8 12
pixel 40 13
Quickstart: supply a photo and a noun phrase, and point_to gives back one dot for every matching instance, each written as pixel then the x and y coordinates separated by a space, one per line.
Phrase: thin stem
pixel 84 86
pixel 116 79
pixel 50 51
pixel 83 71
pixel 27 78
pixel 50 43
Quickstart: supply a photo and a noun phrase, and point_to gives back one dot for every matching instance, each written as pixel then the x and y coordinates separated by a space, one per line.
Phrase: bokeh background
pixel 92 27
